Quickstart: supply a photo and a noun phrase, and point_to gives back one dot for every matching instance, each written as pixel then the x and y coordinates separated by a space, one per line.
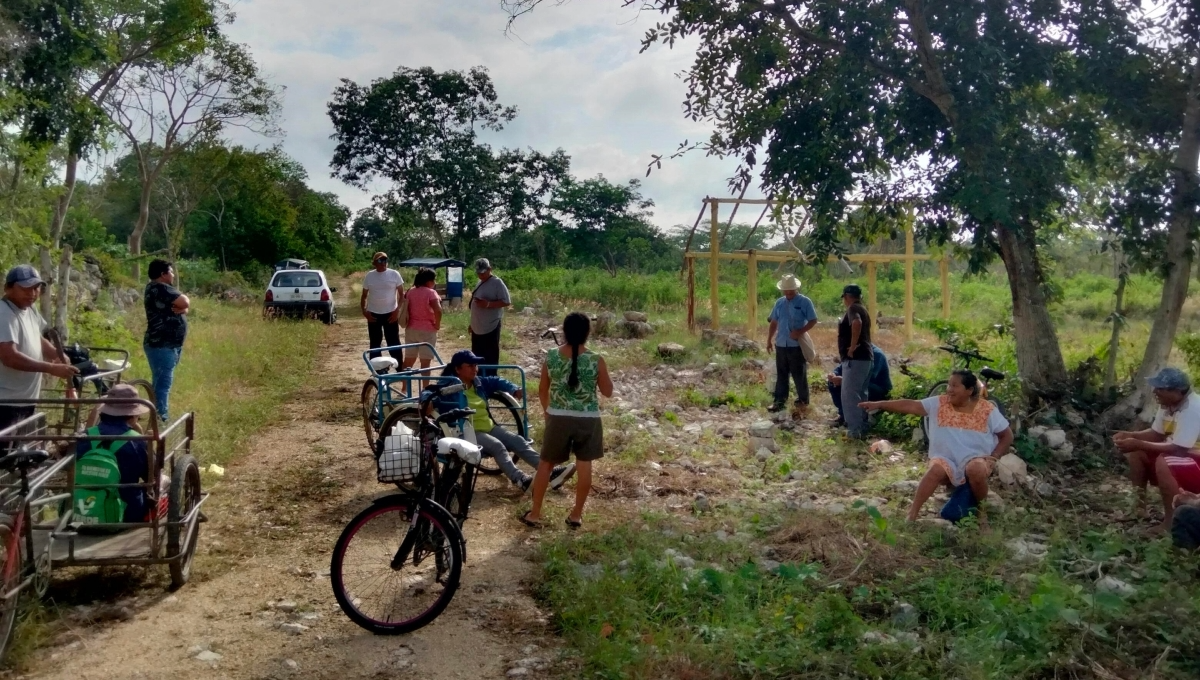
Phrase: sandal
pixel 531 523
pixel 574 523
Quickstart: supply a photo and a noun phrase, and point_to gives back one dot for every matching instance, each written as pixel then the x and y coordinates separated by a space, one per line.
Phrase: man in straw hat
pixel 118 417
pixel 792 316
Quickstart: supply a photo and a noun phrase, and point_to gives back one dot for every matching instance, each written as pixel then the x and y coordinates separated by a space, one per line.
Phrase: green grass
pixel 237 372
pixel 629 610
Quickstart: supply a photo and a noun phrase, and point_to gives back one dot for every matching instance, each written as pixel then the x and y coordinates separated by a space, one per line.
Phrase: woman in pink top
pixel 424 319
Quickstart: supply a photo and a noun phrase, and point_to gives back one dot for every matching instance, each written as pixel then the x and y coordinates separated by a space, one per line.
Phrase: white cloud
pixel 574 72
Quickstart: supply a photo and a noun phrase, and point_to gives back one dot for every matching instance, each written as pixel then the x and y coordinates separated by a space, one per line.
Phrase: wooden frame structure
pixel 753 257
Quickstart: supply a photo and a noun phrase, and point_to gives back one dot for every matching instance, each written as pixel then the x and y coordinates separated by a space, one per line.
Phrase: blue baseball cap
pixel 23 275
pixel 1170 379
pixel 466 356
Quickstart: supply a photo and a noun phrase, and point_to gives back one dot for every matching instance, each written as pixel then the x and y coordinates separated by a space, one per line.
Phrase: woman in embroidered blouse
pixel 967 435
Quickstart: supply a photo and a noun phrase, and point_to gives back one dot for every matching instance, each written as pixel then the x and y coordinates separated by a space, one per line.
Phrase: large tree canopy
pixel 966 112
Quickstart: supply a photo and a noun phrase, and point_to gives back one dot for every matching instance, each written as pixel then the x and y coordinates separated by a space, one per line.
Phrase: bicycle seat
pixel 991 374
pixel 384 364
pixel 23 460
pixel 455 415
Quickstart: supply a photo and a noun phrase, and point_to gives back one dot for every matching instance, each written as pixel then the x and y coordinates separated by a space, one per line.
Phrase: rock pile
pixel 733 343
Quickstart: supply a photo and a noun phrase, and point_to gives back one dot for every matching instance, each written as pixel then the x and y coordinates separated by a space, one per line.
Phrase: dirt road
pixel 274 518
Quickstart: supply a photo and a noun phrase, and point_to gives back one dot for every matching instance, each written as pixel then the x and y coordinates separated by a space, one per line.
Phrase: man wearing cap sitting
pixel 24 354
pixel 1164 455
pixel 488 301
pixel 496 441
pixel 792 316
pixel 118 417
pixel 383 291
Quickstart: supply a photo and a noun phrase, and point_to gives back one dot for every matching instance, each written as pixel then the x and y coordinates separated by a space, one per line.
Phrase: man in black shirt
pixel 855 350
pixel 166 328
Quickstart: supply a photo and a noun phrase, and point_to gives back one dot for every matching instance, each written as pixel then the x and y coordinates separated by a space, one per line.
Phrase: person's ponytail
pixel 576 328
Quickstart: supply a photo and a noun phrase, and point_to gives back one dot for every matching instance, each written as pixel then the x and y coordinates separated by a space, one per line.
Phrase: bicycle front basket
pixel 401 458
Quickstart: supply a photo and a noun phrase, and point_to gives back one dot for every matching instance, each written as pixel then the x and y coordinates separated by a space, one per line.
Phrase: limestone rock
pixel 1012 469
pixel 763 454
pixel 1111 584
pixel 1054 438
pixel 762 429
pixel 669 350
pixel 636 330
pixel 636 317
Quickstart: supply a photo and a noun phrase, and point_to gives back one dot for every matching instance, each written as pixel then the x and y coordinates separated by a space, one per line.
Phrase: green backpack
pixel 97 468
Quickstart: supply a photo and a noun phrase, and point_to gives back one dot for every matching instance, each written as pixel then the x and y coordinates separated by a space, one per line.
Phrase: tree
pixel 72 55
pixel 419 130
pixel 962 111
pixel 1151 72
pixel 166 109
pixel 607 224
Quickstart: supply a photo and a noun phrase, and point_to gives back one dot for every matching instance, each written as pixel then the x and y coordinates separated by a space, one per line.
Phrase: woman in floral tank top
pixel 573 378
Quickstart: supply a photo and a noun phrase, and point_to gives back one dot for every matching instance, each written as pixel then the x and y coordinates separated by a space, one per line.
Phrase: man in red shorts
pixel 1163 455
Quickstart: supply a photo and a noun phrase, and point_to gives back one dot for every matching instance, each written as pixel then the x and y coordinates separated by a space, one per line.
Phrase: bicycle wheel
pixel 10 573
pixel 182 498
pixel 391 576
pixel 938 389
pixel 505 412
pixel 372 415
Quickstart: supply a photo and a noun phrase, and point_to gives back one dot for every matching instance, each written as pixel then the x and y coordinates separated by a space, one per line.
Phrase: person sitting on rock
pixel 879 383
pixel 1163 455
pixel 496 441
pixel 967 435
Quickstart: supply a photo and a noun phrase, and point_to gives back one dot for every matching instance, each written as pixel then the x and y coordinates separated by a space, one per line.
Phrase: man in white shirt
pixel 1162 455
pixel 24 354
pixel 383 291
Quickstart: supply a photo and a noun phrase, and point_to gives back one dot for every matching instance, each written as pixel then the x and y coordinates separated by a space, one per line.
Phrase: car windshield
pixel 297 280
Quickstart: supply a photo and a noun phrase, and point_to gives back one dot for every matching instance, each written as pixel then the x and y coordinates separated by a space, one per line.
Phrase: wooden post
pixel 47 266
pixel 690 265
pixel 908 282
pixel 872 301
pixel 944 265
pixel 60 298
pixel 714 251
pixel 752 295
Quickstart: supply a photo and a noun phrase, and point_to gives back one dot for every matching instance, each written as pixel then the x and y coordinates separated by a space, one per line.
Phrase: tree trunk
pixel 1179 255
pixel 1039 359
pixel 64 200
pixel 1118 320
pixel 47 272
pixel 60 298
pixel 139 228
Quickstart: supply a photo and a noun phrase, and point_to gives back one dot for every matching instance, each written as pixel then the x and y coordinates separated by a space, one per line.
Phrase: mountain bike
pixel 398 563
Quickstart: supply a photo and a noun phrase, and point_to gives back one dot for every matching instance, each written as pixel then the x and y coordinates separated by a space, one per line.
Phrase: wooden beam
pixel 872 304
pixel 714 253
pixel 780 256
pixel 908 281
pixel 944 266
pixel 691 288
pixel 733 214
pixel 752 295
pixel 688 246
pixel 761 215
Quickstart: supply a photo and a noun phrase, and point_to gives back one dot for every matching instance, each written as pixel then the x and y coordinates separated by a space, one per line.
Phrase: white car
pixel 300 292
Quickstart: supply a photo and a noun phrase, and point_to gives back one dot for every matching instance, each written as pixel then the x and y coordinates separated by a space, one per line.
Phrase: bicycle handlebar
pixel 964 353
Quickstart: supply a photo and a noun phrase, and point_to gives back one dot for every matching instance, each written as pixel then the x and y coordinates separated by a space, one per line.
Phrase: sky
pixel 573 71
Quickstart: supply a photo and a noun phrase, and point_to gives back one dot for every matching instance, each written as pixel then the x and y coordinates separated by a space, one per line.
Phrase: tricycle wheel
pixel 371 415
pixel 181 500
pixel 505 412
pixel 10 575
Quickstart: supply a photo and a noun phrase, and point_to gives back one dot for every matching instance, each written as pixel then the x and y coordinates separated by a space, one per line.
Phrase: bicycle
pixel 23 566
pixel 409 546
